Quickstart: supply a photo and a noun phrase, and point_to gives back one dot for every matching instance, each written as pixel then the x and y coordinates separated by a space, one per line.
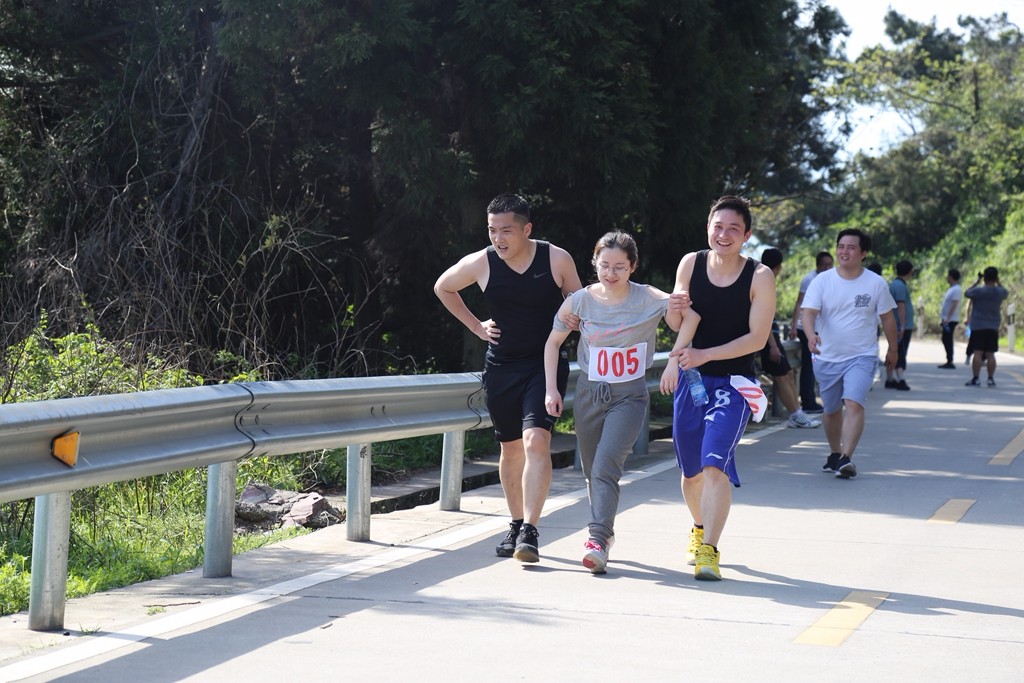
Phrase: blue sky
pixel 875 130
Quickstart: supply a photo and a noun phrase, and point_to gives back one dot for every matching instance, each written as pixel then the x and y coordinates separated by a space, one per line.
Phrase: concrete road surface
pixel 912 571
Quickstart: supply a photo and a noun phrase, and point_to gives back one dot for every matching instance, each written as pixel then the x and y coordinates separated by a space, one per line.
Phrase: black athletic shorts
pixel 514 394
pixel 985 340
pixel 772 368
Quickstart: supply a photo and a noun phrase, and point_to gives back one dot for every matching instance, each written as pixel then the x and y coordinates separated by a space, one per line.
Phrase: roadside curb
pixel 425 488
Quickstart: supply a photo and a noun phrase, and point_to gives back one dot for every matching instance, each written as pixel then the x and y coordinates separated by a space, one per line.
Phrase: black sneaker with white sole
pixel 845 469
pixel 508 544
pixel 526 545
pixel 832 462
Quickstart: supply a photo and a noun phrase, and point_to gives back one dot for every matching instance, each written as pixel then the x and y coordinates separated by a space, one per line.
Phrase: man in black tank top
pixel 735 298
pixel 524 281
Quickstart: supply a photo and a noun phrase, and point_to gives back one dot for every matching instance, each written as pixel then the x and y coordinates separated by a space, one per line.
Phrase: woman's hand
pixel 670 377
pixel 553 403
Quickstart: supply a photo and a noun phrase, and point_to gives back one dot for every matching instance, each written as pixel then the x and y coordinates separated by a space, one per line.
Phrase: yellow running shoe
pixel 707 564
pixel 696 541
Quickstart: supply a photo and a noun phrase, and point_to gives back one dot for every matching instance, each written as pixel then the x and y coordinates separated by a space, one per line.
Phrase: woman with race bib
pixel 618 323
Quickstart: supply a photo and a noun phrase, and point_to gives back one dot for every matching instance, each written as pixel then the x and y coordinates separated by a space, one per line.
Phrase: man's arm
pixel 796 315
pixel 949 307
pixel 901 316
pixel 809 318
pixel 680 299
pixel 563 270
pixel 762 312
pixel 469 270
pixel 889 329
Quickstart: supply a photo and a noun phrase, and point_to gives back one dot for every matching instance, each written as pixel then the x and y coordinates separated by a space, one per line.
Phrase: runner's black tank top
pixel 522 306
pixel 724 315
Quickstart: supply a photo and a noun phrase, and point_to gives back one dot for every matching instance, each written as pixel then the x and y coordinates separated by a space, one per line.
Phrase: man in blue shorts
pixel 735 298
pixel 841 311
pixel 524 281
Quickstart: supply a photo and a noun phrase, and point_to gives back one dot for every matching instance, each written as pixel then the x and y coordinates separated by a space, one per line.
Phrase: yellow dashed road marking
pixel 1010 451
pixel 952 511
pixel 842 620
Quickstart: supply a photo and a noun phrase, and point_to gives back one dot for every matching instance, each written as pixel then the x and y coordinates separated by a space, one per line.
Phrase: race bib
pixel 611 364
pixel 754 395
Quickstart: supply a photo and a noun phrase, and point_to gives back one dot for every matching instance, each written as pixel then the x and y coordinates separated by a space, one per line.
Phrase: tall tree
pixel 285 180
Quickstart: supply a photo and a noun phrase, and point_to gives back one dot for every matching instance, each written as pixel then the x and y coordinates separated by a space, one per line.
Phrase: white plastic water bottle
pixel 696 383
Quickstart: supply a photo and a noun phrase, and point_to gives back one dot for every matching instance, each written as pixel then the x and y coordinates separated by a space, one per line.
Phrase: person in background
pixel 986 296
pixel 808 398
pixel 618 323
pixel 775 363
pixel 842 309
pixel 524 281
pixel 904 312
pixel 735 298
pixel 949 315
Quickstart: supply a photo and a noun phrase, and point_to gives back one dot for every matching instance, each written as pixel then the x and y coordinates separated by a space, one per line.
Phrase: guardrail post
pixel 220 519
pixel 452 454
pixel 49 581
pixel 1011 328
pixel 357 493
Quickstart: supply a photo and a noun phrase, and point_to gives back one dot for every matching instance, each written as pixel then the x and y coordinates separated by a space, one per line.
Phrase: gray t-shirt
pixel 621 325
pixel 985 306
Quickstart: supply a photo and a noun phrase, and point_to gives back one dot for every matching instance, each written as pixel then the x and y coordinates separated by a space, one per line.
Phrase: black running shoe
pixel 832 463
pixel 973 383
pixel 526 546
pixel 845 469
pixel 508 544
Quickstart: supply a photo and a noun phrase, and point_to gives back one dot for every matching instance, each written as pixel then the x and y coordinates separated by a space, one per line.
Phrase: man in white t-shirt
pixel 841 311
pixel 950 315
pixel 808 397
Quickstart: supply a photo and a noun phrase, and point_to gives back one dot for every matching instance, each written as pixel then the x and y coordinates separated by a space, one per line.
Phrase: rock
pixel 311 510
pixel 264 506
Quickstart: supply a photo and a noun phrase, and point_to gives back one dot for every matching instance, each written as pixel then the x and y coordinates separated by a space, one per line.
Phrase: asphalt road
pixel 912 571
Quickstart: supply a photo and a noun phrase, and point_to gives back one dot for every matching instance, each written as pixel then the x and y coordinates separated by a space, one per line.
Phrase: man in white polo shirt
pixel 841 312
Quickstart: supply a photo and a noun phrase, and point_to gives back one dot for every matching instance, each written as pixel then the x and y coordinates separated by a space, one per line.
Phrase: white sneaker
pixel 801 421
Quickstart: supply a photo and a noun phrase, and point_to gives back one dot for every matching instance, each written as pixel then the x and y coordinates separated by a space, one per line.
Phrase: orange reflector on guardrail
pixel 65 448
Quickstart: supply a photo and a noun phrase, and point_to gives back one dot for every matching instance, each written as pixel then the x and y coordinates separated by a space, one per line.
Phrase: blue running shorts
pixel 707 435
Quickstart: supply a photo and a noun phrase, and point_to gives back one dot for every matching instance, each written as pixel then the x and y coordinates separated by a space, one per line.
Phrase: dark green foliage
pixel 285 180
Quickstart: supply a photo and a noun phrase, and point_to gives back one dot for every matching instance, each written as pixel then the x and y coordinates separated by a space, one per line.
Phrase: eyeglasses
pixel 618 270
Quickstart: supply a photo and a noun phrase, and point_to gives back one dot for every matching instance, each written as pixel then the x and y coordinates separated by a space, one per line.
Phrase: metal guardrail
pixel 126 436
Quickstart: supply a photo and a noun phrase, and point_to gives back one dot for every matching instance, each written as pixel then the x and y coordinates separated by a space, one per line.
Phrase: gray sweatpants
pixel 608 420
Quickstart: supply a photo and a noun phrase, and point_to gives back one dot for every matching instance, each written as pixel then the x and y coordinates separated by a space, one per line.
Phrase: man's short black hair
pixel 904 268
pixel 737 204
pixel 862 237
pixel 510 203
pixel 771 257
pixel 991 274
pixel 954 275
